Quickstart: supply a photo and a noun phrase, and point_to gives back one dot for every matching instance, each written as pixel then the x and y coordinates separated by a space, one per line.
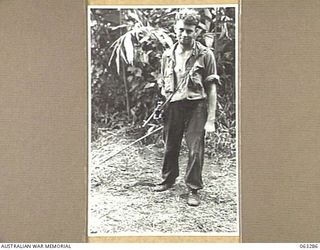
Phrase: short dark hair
pixel 188 16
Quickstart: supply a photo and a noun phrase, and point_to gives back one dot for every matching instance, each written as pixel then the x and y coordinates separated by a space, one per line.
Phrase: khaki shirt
pixel 199 66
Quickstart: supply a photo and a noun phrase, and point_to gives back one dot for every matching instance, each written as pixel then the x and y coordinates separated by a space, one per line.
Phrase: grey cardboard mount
pixel 43 121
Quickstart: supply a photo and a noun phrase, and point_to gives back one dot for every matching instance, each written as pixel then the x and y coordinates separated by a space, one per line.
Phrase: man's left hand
pixel 210 126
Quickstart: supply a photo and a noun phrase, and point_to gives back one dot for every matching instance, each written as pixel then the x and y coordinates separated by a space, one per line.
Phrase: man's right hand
pixel 166 94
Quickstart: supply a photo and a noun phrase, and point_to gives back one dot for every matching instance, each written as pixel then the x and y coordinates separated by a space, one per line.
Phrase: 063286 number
pixel 309 245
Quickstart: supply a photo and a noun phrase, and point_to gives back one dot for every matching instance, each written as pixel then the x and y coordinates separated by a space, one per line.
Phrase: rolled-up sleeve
pixel 210 66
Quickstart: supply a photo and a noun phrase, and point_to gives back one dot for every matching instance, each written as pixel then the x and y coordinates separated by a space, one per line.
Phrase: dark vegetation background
pixel 126 47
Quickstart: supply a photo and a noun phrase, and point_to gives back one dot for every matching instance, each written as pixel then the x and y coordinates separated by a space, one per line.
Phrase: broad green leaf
pixel 130 78
pixel 118 27
pixel 129 49
pixel 138 72
pixel 135 17
pixel 123 54
pixel 144 58
pixel 141 16
pixel 203 26
pixel 118 59
pixel 166 38
pixel 149 85
pixel 163 38
pixel 208 14
pixel 116 44
pixel 134 86
pixel 155 74
pixel 118 53
pixel 113 53
pixel 144 39
pixel 131 69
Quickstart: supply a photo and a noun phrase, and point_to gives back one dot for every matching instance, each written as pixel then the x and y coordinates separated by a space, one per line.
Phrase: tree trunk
pixel 124 78
pixel 215 31
pixel 123 69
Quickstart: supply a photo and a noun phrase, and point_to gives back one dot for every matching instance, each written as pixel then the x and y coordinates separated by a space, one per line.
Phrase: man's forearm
pixel 212 101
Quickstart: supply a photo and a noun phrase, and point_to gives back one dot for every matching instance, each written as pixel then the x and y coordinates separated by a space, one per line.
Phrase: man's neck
pixel 184 48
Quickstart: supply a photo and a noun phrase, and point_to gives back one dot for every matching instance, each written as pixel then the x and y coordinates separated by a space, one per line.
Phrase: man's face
pixel 185 33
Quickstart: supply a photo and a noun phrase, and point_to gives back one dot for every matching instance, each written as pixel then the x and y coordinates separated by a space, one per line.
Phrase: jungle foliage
pixel 126 48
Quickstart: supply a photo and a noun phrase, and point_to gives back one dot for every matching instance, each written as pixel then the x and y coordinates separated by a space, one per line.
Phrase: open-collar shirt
pixel 191 86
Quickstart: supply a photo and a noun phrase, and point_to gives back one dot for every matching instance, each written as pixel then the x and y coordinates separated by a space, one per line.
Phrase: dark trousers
pixel 187 117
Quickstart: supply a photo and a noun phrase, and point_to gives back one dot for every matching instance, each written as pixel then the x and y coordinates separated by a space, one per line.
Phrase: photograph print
pixel 163 120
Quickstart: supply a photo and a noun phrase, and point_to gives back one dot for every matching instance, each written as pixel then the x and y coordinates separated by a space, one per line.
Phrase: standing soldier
pixel 189 79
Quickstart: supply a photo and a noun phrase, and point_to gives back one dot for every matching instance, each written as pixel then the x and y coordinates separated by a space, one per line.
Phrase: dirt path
pixel 121 198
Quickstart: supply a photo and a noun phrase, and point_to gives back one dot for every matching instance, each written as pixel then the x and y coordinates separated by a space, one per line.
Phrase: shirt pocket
pixel 195 78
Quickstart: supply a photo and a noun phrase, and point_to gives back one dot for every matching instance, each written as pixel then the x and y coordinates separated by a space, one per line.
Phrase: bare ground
pixel 121 199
